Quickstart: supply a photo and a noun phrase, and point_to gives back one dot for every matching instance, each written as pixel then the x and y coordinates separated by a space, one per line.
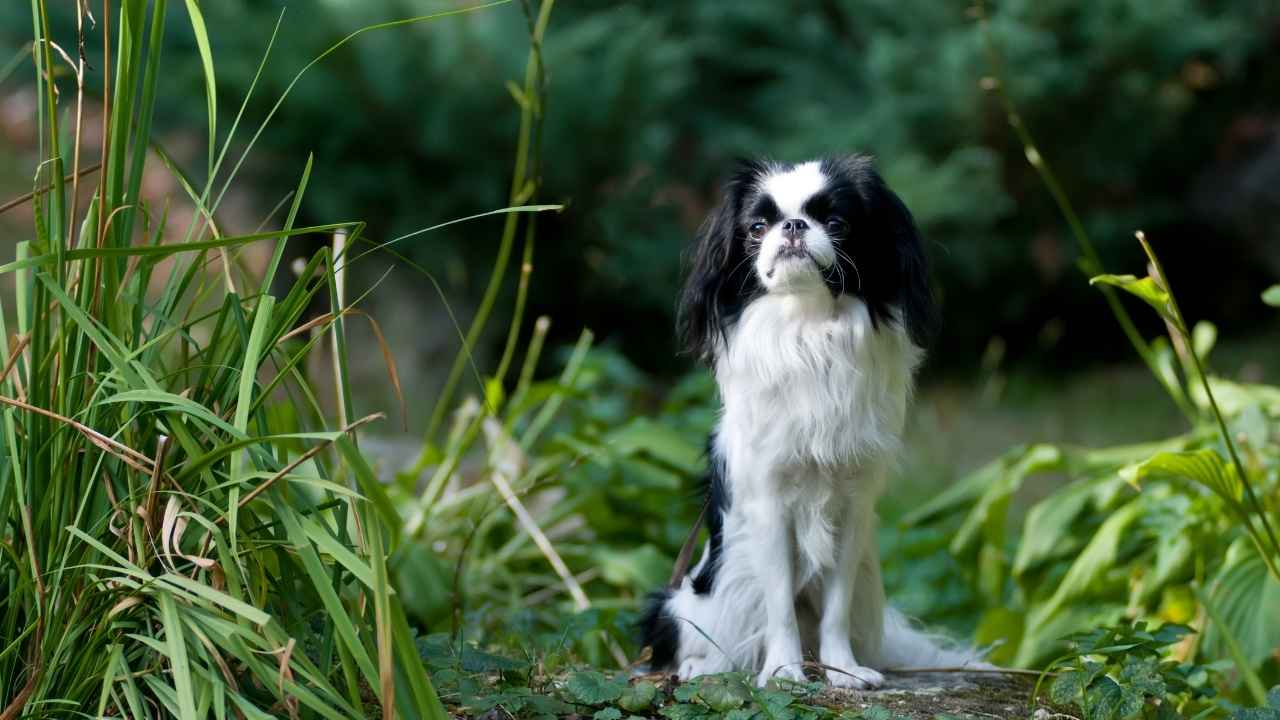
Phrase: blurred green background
pixel 1159 116
pixel 1162 116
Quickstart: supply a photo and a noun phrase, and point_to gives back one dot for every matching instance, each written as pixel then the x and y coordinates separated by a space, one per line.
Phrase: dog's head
pixel 829 226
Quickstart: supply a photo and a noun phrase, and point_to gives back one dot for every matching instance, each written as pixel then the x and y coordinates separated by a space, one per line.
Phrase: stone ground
pixel 918 696
pixel 963 694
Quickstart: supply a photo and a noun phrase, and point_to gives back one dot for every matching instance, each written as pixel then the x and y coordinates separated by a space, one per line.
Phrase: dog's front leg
pixel 838 589
pixel 772 563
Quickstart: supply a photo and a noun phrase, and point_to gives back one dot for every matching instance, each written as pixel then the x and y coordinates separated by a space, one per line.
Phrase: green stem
pixel 525 149
pixel 1180 325
pixel 1092 264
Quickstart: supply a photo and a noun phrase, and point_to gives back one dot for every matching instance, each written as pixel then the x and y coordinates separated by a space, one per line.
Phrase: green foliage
pixel 1122 672
pixel 182 533
pixel 649 101
pixel 730 696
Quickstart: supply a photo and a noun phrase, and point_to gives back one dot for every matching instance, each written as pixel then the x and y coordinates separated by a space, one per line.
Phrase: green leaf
pixel 1174 552
pixel 1103 700
pixel 210 84
pixel 1204 466
pixel 638 697
pixel 1068 686
pixel 639 567
pixel 1002 479
pixel 593 688
pixel 1247 600
pixel 1046 533
pixel 687 690
pixel 608 714
pixel 724 693
pixel 684 712
pixel 1142 674
pixel 1098 556
pixel 1203 337
pixel 176 643
pixel 1144 288
pixel 661 442
pixel 1271 296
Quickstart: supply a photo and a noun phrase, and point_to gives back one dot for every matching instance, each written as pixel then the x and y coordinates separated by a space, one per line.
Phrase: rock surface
pixel 962 694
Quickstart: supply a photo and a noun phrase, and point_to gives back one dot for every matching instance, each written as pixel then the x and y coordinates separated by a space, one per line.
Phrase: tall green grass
pixel 183 531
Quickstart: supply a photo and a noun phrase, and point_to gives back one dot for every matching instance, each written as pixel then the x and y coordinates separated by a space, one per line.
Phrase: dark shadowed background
pixel 1160 116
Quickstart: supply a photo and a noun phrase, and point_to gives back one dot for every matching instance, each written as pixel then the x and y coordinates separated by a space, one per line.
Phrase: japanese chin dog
pixel 809 298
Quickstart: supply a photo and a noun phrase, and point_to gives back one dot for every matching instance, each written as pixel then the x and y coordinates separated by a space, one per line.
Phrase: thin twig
pixel 28 197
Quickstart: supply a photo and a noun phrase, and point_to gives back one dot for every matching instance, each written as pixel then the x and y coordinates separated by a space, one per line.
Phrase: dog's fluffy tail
pixel 907 646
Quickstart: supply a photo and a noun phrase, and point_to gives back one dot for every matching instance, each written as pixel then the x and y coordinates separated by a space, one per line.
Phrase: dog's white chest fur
pixel 807 381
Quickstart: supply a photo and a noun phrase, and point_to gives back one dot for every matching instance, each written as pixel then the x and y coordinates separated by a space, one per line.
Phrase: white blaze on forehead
pixel 791 189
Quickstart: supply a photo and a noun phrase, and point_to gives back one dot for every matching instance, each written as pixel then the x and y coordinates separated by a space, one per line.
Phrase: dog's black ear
pixel 895 270
pixel 915 298
pixel 718 282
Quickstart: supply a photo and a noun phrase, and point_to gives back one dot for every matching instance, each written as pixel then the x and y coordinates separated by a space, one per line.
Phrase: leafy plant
pixel 179 532
pixel 1122 672
pixel 1180 530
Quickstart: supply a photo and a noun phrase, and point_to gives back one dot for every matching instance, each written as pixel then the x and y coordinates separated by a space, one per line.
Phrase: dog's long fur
pixel 809 297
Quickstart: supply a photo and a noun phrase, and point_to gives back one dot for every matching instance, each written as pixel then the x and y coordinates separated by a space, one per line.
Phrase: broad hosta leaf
pixel 1004 477
pixel 1046 531
pixel 593 688
pixel 664 443
pixel 1247 600
pixel 1144 288
pixel 1042 638
pixel 1234 397
pixel 609 713
pixel 1271 296
pixel 642 567
pixel 1001 629
pixel 1173 554
pixel 1098 556
pixel 1204 466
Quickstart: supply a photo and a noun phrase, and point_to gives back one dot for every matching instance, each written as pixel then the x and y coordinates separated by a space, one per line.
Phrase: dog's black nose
pixel 793 229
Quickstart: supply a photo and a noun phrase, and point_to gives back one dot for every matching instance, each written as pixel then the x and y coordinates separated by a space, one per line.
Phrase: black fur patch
pixel 717 491
pixel 658 630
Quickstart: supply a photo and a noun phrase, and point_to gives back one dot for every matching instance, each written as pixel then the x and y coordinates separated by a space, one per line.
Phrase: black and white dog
pixel 809 297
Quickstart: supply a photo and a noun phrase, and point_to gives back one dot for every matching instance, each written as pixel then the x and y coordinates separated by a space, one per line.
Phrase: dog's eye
pixel 835 225
pixel 756 230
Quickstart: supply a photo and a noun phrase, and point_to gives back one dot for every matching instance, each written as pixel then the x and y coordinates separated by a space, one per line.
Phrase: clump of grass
pixel 181 531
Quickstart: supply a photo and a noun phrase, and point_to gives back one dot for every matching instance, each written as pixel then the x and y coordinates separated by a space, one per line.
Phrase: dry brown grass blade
pixel 14 353
pixel 28 197
pixel 284 675
pixel 312 452
pixel 126 454
pixel 392 373
pixel 153 489
pixel 390 362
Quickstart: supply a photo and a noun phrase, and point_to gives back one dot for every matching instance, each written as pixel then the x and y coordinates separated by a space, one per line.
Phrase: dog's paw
pixel 781 671
pixel 693 667
pixel 855 677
